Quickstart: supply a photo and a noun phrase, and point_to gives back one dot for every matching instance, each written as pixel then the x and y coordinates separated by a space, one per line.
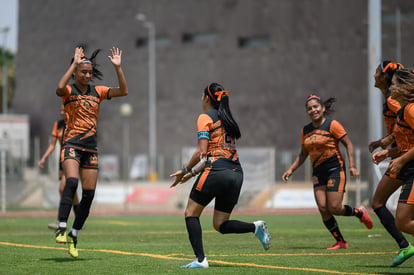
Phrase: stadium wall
pixel 270 54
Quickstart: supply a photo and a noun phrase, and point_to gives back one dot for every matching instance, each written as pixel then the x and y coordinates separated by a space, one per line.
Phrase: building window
pixel 199 37
pixel 251 42
pixel 159 42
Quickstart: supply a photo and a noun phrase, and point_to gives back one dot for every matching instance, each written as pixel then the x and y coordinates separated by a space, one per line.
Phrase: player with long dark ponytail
pixel 220 101
pixel 221 174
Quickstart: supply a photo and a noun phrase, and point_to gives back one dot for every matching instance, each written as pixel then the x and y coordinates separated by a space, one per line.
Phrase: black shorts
pixel 224 184
pixel 86 159
pixel 406 174
pixel 334 178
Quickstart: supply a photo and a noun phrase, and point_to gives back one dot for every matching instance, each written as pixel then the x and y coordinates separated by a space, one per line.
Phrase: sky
pixel 9 18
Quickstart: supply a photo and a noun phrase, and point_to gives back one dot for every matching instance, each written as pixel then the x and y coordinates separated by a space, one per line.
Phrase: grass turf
pixel 158 244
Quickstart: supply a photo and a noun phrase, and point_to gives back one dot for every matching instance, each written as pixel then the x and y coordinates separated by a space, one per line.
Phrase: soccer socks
pixel 351 211
pixel 332 226
pixel 75 209
pixel 388 221
pixel 195 235
pixel 84 207
pixel 67 199
pixel 235 226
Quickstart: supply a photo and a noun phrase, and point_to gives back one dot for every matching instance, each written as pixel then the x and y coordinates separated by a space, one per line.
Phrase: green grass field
pixel 158 244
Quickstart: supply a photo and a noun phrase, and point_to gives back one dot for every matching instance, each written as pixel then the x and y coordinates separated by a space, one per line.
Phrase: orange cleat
pixel 339 245
pixel 365 219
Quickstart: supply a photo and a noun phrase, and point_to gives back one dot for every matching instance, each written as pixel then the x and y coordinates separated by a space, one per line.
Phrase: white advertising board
pixel 14 135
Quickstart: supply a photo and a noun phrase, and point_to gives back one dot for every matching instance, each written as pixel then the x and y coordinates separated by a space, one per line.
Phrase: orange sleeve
pixel 204 123
pixel 103 92
pixel 337 130
pixel 55 132
pixel 409 114
pixel 393 105
pixel 67 92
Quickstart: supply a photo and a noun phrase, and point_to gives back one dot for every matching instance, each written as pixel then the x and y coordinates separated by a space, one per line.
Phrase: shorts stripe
pixel 341 187
pixel 410 199
pixel 203 178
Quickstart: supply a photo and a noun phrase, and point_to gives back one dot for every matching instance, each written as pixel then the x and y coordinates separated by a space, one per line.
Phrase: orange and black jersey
pixel 322 143
pixel 390 110
pixel 403 131
pixel 82 112
pixel 220 145
pixel 58 130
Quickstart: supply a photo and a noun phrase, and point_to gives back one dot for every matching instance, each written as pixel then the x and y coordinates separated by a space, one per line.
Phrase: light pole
pixel 5 31
pixel 152 107
pixel 125 111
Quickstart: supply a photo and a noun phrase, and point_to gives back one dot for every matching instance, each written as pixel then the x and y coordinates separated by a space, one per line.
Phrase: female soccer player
pixel 80 153
pixel 389 183
pixel 57 135
pixel 402 166
pixel 221 177
pixel 320 141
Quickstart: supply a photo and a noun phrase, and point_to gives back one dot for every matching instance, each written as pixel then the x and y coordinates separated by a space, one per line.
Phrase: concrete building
pixel 270 54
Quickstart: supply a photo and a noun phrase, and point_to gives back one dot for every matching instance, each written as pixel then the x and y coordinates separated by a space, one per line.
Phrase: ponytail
pixel 219 98
pixel 230 125
pixel 91 60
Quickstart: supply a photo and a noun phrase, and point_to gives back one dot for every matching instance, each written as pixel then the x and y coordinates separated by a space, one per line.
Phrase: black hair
pixel 220 101
pixel 329 105
pixel 95 72
pixel 388 68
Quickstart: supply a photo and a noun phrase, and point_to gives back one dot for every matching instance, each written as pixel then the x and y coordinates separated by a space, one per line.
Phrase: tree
pixel 7 57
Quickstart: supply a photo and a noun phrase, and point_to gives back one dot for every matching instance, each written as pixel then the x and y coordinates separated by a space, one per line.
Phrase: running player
pixel 57 134
pixel 221 177
pixel 389 183
pixel 402 166
pixel 320 141
pixel 80 153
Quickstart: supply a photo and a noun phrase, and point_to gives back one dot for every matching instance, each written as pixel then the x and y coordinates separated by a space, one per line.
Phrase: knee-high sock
pixel 388 221
pixel 332 226
pixel 67 199
pixel 84 207
pixel 75 209
pixel 195 236
pixel 235 226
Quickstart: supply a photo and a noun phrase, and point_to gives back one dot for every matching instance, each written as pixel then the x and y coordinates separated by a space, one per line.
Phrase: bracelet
pixel 185 170
pixel 193 172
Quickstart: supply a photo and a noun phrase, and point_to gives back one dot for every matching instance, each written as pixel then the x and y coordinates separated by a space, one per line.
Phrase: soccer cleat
pixel 61 236
pixel 262 234
pixel 339 245
pixel 403 255
pixel 53 225
pixel 72 241
pixel 197 264
pixel 365 219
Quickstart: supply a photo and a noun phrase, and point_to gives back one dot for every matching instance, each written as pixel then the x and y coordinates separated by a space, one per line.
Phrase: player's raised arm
pixel 115 58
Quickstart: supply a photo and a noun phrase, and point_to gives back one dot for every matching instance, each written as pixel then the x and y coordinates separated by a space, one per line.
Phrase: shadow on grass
pixel 64 260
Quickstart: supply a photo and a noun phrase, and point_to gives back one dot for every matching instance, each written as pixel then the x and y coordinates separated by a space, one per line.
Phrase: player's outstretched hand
pixel 178 176
pixel 115 56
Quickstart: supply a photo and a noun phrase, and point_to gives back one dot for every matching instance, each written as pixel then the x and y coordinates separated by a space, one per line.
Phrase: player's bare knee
pixel 335 209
